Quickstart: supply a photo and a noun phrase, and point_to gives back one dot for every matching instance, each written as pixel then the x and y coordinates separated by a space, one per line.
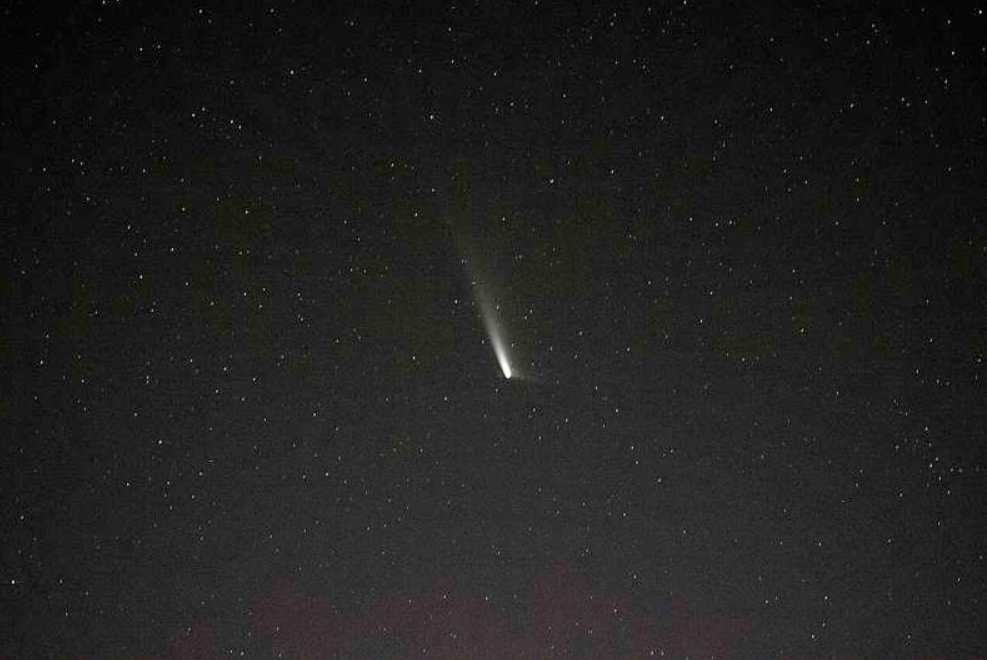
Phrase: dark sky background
pixel 250 409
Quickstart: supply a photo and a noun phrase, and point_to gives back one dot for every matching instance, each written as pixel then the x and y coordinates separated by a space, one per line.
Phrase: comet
pixel 500 350
pixel 489 313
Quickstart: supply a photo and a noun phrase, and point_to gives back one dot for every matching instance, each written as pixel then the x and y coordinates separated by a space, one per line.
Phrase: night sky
pixel 265 267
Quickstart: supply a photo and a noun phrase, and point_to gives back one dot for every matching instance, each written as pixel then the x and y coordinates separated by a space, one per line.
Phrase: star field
pixel 255 256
